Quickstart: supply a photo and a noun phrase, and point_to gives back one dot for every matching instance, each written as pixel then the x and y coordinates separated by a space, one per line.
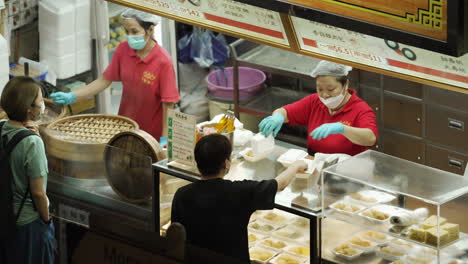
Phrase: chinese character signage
pixel 385 54
pixel 181 138
pixel 226 15
pixel 423 17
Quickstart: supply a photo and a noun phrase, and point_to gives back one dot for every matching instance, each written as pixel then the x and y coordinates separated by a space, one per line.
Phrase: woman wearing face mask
pixel 34 237
pixel 337 120
pixel 146 72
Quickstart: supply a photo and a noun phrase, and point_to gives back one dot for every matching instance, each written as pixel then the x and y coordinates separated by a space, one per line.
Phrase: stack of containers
pixel 83 35
pixel 4 67
pixel 65 36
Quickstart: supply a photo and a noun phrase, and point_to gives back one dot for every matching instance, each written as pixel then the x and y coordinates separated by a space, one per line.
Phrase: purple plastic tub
pixel 251 82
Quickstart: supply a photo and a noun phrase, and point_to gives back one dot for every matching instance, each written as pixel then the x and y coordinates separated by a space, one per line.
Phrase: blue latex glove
pixel 271 124
pixel 163 142
pixel 325 130
pixel 63 98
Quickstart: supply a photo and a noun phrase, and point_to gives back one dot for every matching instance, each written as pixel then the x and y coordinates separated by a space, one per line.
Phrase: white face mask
pixel 43 108
pixel 333 102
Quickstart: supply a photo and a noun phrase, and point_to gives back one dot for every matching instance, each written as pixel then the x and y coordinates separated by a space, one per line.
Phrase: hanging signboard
pixel 181 139
pixel 364 49
pixel 423 17
pixel 226 16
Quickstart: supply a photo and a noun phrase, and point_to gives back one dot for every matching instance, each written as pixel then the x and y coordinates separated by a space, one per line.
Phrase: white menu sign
pixel 356 47
pixel 248 20
pixel 181 138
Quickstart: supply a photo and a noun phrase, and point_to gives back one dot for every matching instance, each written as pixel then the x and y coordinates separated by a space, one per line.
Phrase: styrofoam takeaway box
pixel 63 66
pixel 83 40
pixel 83 60
pixel 4 54
pixel 83 15
pixel 57 17
pixel 57 46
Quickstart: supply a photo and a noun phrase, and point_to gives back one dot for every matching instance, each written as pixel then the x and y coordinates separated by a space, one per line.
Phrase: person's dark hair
pixel 18 96
pixel 211 152
pixel 342 79
pixel 145 25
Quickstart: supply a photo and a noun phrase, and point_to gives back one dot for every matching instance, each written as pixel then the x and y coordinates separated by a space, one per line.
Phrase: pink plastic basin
pixel 251 82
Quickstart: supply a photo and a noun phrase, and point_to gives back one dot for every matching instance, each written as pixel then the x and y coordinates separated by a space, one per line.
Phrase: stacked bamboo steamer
pixel 75 144
pixel 129 157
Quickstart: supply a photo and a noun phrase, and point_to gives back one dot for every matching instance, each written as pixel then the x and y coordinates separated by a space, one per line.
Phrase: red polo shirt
pixel 311 112
pixel 146 83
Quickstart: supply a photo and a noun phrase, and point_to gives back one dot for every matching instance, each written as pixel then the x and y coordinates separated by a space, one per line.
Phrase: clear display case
pixel 381 209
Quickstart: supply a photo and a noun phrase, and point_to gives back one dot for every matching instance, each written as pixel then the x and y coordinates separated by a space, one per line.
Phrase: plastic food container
pixel 261 226
pixel 290 234
pixel 378 196
pixel 298 250
pixel 248 155
pixel 365 250
pixel 273 243
pixel 390 257
pixel 353 257
pixel 419 259
pixel 290 156
pixel 290 258
pixel 401 245
pixel 261 254
pixel 300 222
pixel 251 82
pixel 367 235
pixel 275 217
pixel 41 76
pixel 336 206
pixel 255 237
pixel 387 210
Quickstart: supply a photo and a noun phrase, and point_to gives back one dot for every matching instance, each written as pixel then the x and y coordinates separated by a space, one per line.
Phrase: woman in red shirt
pixel 146 72
pixel 337 120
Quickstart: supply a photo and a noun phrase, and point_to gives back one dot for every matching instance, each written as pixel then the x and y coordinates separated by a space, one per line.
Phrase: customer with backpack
pixel 27 232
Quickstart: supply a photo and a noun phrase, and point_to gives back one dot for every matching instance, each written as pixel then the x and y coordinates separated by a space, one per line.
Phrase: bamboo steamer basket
pixel 75 144
pixel 128 159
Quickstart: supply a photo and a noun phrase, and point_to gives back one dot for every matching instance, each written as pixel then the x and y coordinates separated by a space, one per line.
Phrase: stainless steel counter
pixel 265 169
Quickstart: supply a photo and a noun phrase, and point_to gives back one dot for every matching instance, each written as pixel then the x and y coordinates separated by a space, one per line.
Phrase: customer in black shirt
pixel 215 212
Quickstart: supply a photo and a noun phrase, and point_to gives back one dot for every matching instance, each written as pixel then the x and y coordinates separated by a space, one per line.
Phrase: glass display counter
pixel 381 209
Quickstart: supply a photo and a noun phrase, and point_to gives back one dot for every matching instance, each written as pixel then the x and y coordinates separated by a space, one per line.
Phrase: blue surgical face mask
pixel 136 42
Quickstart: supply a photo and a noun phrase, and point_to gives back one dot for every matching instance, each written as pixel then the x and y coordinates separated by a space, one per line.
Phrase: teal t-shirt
pixel 28 159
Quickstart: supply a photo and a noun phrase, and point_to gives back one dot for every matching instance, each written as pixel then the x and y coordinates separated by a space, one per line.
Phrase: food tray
pixel 366 250
pixel 419 259
pixel 380 242
pixel 402 245
pixel 387 256
pixel 98 129
pixel 258 235
pixel 276 218
pixel 261 226
pixel 271 253
pixel 292 249
pixel 275 240
pixel 383 208
pixel 300 223
pixel 353 257
pixel 293 259
pixel 345 202
pixel 380 197
pixel 291 234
